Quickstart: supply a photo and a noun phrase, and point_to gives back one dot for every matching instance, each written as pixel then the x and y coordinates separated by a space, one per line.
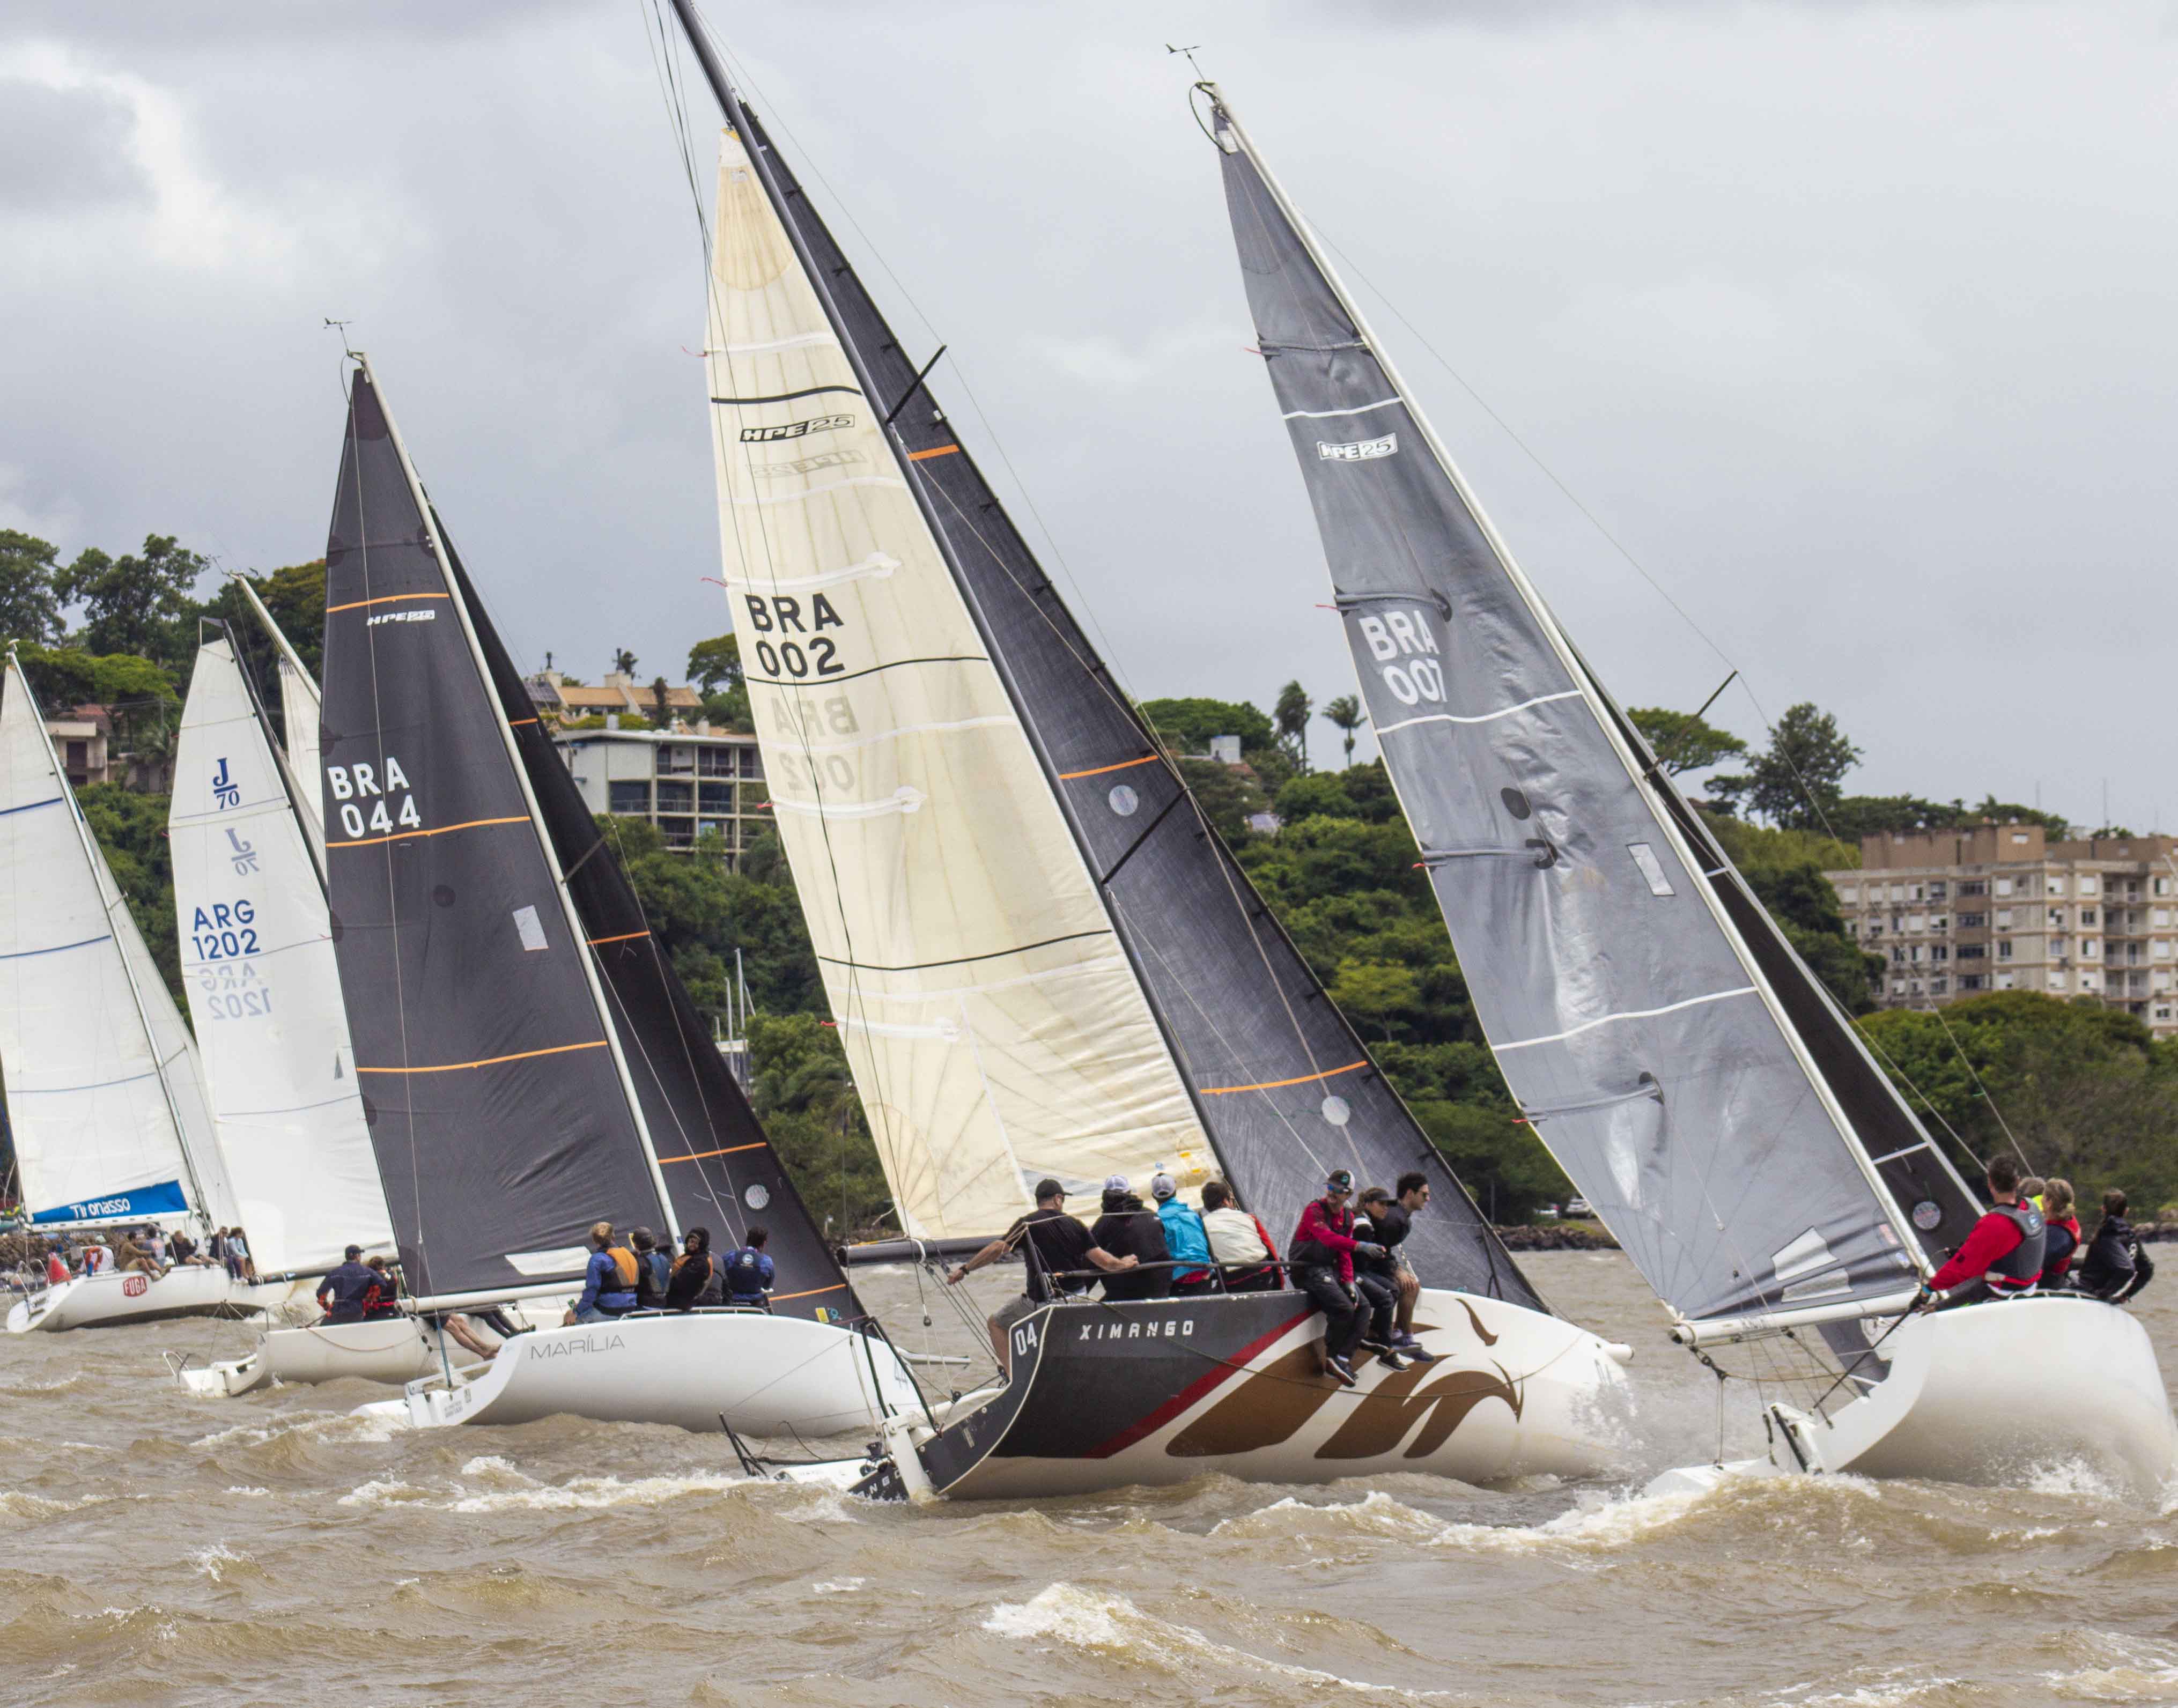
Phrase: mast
pixel 96 861
pixel 584 951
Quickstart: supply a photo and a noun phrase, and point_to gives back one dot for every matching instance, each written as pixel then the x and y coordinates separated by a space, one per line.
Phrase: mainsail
pixel 103 1093
pixel 1679 1060
pixel 1042 957
pixel 257 955
pixel 491 1078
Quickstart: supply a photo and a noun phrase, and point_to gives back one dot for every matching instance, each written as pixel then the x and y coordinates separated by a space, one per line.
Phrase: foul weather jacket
pixel 1994 1238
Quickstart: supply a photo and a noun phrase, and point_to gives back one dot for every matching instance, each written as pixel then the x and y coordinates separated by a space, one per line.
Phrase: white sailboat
pixel 1692 1077
pixel 105 1090
pixel 1042 959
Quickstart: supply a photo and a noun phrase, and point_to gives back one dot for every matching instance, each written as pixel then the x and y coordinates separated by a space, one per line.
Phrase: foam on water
pixel 1109 1623
pixel 211 1560
pixel 2069 1477
pixel 2128 1669
pixel 325 1425
pixel 490 1484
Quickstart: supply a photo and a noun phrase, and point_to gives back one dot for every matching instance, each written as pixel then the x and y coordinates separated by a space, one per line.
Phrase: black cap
pixel 352 1253
pixel 1339 1180
pixel 1049 1188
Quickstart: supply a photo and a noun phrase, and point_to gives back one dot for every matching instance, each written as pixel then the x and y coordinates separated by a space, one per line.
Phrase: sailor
pixel 694 1271
pixel 2115 1267
pixel 651 1271
pixel 1184 1238
pixel 2062 1244
pixel 1129 1229
pixel 608 1281
pixel 1239 1242
pixel 1057 1253
pixel 2004 1250
pixel 1377 1278
pixel 57 1268
pixel 1321 1258
pixel 1413 1196
pixel 749 1271
pixel 382 1302
pixel 346 1295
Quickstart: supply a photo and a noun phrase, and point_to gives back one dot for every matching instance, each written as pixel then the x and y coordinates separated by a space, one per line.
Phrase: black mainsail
pixel 1042 957
pixel 1676 1056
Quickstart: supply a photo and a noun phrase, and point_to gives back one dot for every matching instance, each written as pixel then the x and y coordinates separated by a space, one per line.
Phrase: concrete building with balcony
pixel 692 784
pixel 1987 907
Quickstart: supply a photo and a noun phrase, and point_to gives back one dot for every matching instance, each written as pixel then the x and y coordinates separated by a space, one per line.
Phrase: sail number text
pixel 1405 652
pixel 367 803
pixel 776 617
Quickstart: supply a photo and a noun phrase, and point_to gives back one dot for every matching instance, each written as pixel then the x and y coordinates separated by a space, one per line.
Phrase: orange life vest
pixel 626 1263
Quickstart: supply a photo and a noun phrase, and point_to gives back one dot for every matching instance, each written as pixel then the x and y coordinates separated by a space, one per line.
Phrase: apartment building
pixel 2002 908
pixel 692 783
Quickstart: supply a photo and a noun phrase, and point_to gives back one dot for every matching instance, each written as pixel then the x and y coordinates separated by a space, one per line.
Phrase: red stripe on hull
pixel 1219 1373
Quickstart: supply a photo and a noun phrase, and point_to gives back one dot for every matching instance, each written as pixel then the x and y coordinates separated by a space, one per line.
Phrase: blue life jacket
pixel 748 1272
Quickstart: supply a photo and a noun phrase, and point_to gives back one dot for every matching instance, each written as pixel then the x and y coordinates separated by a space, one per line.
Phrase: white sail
pixel 257 954
pixel 301 715
pixel 102 1090
pixel 995 1028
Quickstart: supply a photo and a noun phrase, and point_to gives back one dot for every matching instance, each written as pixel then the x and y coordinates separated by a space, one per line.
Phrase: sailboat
pixel 530 1063
pixel 105 1090
pixel 1689 1073
pixel 1041 959
pixel 257 953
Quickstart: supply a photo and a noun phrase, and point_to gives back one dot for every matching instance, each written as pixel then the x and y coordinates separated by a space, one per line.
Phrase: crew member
pixel 608 1282
pixel 749 1272
pixel 1377 1278
pixel 1057 1250
pixel 346 1295
pixel 382 1303
pixel 2062 1241
pixel 1239 1242
pixel 2115 1267
pixel 1322 1256
pixel 1185 1239
pixel 2004 1251
pixel 692 1272
pixel 1129 1229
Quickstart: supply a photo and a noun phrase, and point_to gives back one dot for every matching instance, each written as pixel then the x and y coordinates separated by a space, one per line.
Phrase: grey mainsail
pixel 498 1112
pixel 1272 1076
pixel 1660 1035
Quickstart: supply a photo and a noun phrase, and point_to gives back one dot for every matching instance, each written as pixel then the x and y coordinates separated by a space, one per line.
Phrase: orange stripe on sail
pixel 624 936
pixel 1272 1085
pixel 454 1067
pixel 1099 770
pixel 781 1298
pixel 405 835
pixel 518 722
pixel 698 1156
pixel 935 450
pixel 388 599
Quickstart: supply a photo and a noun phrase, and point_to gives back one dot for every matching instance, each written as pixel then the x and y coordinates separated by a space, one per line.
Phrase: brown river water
pixel 274 1549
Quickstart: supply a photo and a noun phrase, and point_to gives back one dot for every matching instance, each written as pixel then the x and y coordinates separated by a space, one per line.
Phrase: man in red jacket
pixel 1321 1254
pixel 2004 1252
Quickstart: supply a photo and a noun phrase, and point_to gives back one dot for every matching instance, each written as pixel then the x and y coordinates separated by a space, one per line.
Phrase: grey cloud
pixel 66 148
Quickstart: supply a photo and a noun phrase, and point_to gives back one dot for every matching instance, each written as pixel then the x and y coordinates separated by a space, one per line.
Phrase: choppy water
pixel 163 1549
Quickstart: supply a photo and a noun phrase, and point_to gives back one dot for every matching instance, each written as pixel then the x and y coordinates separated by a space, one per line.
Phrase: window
pixel 2004 919
pixel 676 762
pixel 714 762
pixel 2003 949
pixel 2019 839
pixel 1974 886
pixel 1898 954
pixel 1972 922
pixel 2162 886
pixel 2160 917
pixel 2089 883
pixel 2087 916
pixel 1913 892
pixel 1942 951
pixel 630 800
pixel 2090 980
pixel 1915 954
pixel 1937 986
pixel 2090 947
pixel 1914 988
pixel 715 797
pixel 2160 979
pixel 1972 951
pixel 1852 928
pixel 2003 886
pixel 1898 892
pixel 1898 987
pixel 2057 948
pixel 1972 981
pixel 1937 892
pixel 2004 982
pixel 1850 893
pixel 1916 922
pixel 2162 1012
pixel 2056 981
pixel 678 833
pixel 1938 922
pixel 2162 948
pixel 676 797
pixel 2053 886
pixel 2056 916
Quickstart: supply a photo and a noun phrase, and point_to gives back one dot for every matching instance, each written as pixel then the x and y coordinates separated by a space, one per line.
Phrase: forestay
pixel 100 1099
pixel 489 1077
pixel 1641 1034
pixel 264 990
pixel 300 716
pixel 955 755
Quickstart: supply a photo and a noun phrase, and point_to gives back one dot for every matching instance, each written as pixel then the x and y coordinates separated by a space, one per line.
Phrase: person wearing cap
pixel 1057 1251
pixel 346 1295
pixel 1321 1258
pixel 1184 1238
pixel 1129 1229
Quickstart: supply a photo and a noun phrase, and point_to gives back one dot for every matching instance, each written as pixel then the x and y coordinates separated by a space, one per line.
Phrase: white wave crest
pixel 1092 1618
pixel 516 1492
pixel 1375 1514
pixel 2132 1669
pixel 210 1561
pixel 327 1425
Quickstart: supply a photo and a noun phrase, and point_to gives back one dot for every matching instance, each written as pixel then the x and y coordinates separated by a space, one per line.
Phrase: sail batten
pixel 1608 968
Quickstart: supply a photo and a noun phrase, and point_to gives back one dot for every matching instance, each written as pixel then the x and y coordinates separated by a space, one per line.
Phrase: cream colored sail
pixel 995 1026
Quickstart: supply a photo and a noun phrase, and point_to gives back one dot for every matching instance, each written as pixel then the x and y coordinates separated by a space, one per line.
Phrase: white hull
pixel 395 1350
pixel 1989 1394
pixel 765 1375
pixel 102 1301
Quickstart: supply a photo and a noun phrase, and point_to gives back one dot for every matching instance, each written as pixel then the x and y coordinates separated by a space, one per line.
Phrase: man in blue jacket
pixel 1185 1237
pixel 749 1271
pixel 609 1281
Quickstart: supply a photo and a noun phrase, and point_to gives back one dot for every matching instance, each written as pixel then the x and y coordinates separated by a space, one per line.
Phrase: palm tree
pixel 1346 712
pixel 1290 714
pixel 624 662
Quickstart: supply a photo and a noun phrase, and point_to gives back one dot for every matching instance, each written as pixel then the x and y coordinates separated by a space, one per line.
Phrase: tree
pixel 661 704
pixel 29 611
pixel 1291 714
pixel 295 595
pixel 715 663
pixel 623 661
pixel 1681 741
pixel 1189 725
pixel 144 605
pixel 1796 781
pixel 1345 712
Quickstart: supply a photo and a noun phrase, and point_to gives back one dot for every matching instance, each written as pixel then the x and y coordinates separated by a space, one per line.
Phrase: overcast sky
pixel 1854 323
